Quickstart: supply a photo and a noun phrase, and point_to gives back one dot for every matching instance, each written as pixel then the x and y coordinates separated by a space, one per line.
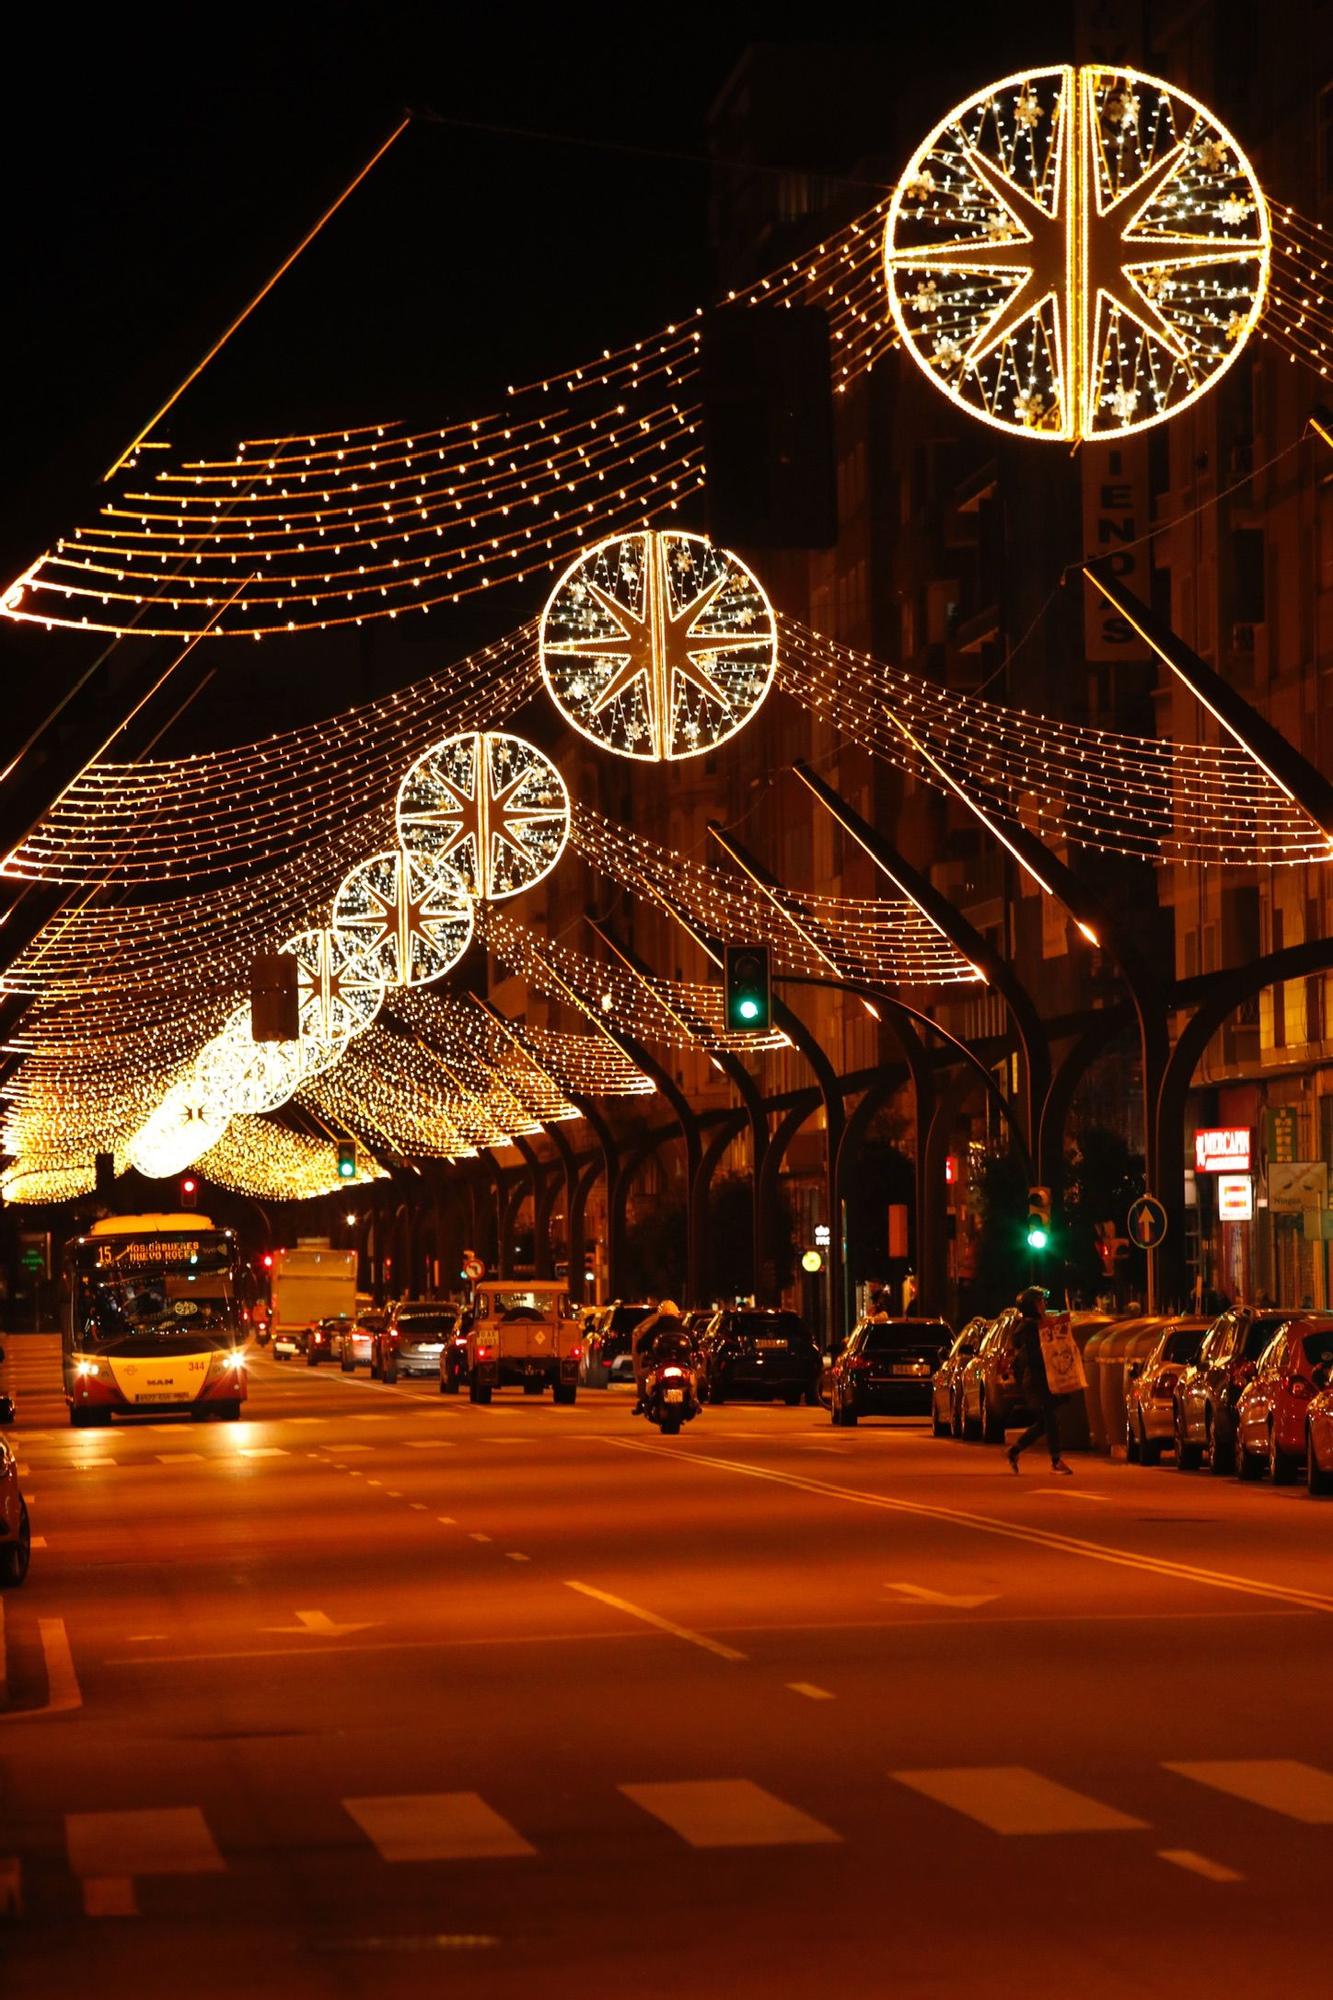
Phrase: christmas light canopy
pixel 489 806
pixel 658 646
pixel 237 1075
pixel 172 1137
pixel 401 918
pixel 1077 252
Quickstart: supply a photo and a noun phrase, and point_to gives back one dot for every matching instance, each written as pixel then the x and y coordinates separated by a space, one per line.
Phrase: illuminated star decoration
pixel 658 646
pixel 403 919
pixel 338 996
pixel 490 806
pixel 1077 252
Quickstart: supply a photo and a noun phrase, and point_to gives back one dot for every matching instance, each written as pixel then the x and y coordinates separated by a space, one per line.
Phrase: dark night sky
pixel 159 164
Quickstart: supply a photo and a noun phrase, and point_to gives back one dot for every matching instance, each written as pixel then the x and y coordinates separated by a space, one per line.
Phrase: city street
pixel 378 1692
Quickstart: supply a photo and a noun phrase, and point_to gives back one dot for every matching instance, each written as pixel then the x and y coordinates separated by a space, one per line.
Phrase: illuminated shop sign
pixel 1220 1150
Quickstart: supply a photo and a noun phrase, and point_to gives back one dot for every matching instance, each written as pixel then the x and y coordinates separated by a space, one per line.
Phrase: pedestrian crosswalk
pixel 110 1851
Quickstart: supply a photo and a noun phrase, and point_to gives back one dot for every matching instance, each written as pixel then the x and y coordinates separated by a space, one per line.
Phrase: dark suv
pixel 412 1340
pixel 1207 1391
pixel 757 1351
pixel 887 1366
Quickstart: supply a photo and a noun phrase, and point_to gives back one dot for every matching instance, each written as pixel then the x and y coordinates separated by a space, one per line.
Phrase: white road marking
pixel 165 1840
pixel 651 1618
pixel 431 1444
pixel 356 1447
pixel 809 1689
pixel 321 1626
pixel 479 1538
pixel 179 1457
pixel 39 1541
pixel 371 1417
pixel 729 1812
pixel 514 1556
pixel 419 1507
pixel 921 1594
pixel 307 1420
pixel 446 1520
pixel 986 1524
pixel 1008 1798
pixel 1198 1864
pixel 142 1638
pixel 1064 1493
pixel 1298 1791
pixel 436 1826
pixel 263 1451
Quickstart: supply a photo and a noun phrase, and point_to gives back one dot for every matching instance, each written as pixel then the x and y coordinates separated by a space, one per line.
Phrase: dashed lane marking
pixel 1008 1798
pixel 729 1812
pixel 1282 1784
pixel 810 1691
pixel 437 1826
pixel 479 1538
pixel 431 1444
pixel 1198 1864
pixel 514 1556
pixel 263 1451
pixel 699 1639
pixel 164 1840
pixel 179 1457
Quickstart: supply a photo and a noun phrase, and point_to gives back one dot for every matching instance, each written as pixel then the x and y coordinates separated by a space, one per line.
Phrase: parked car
pixel 1207 1391
pixel 989 1398
pixel 1150 1390
pixel 946 1415
pixel 608 1332
pixel 1319 1437
pixel 762 1352
pixel 15 1534
pixel 887 1366
pixel 412 1339
pixel 356 1340
pixel 1271 1411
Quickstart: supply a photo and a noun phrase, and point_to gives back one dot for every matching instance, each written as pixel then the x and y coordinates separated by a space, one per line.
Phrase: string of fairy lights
pixel 1071 253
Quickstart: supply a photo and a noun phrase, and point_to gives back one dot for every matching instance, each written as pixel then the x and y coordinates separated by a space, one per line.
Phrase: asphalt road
pixel 377 1694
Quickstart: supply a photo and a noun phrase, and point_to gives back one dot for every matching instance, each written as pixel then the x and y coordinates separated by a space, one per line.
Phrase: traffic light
pixel 275 999
pixel 347 1159
pixel 1039 1218
pixel 189 1192
pixel 749 997
pixel 266 1260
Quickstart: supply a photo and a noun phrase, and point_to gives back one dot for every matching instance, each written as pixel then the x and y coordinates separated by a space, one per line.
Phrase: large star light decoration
pixel 658 646
pixel 1077 252
pixel 338 996
pixel 403 919
pixel 488 805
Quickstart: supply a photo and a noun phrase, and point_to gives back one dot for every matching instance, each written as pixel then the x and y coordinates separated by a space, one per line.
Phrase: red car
pixel 1319 1438
pixel 1272 1414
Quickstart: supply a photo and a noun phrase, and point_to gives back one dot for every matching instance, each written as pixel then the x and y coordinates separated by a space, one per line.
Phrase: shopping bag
pixel 1059 1351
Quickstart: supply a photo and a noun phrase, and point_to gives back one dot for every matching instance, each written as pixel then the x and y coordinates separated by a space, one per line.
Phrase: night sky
pixel 159 164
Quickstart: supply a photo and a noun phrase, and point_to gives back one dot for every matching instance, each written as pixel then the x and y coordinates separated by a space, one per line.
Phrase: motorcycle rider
pixel 667 1319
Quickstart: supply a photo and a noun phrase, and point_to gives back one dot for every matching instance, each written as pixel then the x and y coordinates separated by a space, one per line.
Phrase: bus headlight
pixel 83 1366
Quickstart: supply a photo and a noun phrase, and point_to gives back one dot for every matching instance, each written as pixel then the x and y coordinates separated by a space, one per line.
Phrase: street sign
pixel 1297 1184
pixel 473 1267
pixel 1146 1222
pixel 823 1236
pixel 1282 1135
pixel 35 1252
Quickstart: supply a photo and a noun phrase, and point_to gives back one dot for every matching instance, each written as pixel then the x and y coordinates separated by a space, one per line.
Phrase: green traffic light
pixel 1038 1238
pixel 748 1010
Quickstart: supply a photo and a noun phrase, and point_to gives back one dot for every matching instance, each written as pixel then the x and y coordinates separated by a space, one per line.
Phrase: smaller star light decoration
pixel 338 996
pixel 1077 252
pixel 402 919
pixel 489 806
pixel 237 1076
pixel 658 646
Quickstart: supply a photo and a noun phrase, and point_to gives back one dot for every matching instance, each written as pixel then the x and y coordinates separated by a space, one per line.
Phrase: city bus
pixel 153 1319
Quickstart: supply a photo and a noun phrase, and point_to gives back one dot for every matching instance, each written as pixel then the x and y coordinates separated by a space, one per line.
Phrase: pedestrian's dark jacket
pixel 1029 1364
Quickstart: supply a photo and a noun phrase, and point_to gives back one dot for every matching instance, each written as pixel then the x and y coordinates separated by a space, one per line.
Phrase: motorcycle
pixel 669 1395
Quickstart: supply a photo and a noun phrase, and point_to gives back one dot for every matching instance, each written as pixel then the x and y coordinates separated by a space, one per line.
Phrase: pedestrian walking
pixel 1030 1372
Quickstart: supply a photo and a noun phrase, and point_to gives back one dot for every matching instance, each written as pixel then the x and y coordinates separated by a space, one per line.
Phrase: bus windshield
pixel 179 1289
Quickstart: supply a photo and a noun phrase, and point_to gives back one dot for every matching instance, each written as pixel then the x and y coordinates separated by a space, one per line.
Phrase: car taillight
pixel 576 1350
pixel 1297 1386
pixel 671 1371
pixel 858 1361
pixel 483 1353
